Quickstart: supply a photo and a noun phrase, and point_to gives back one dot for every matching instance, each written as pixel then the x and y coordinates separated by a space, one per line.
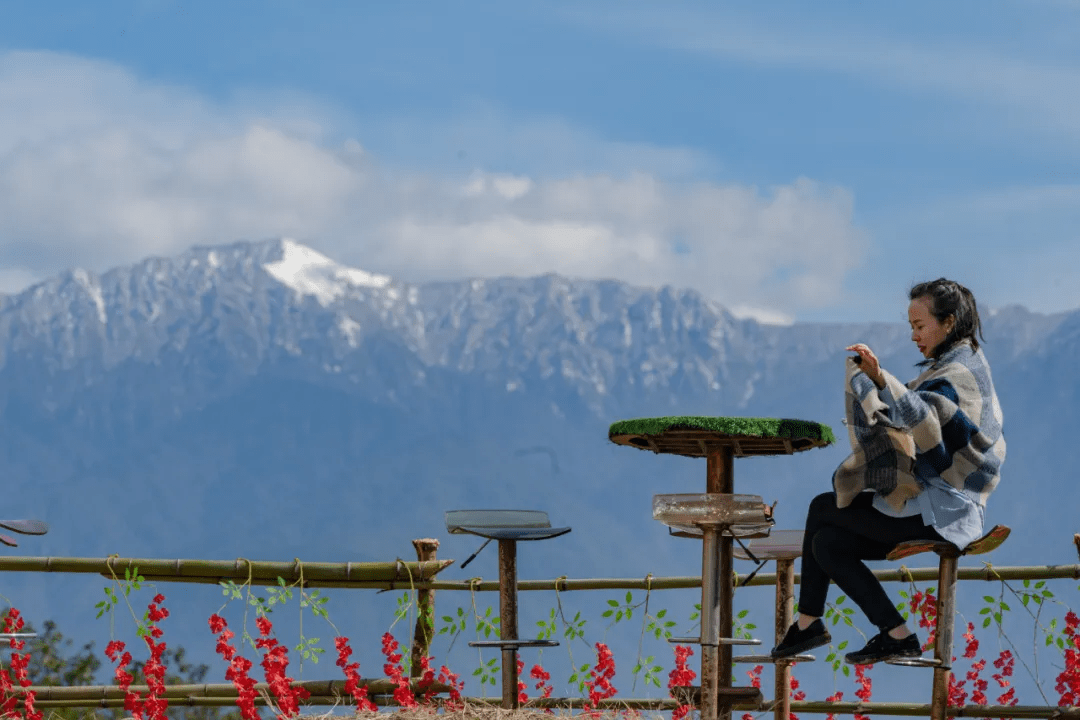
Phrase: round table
pixel 720 440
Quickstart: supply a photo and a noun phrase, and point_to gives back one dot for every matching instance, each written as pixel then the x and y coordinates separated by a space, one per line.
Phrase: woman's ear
pixel 950 324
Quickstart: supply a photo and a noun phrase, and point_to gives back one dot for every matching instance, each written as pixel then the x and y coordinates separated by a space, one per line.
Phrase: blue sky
pixel 789 160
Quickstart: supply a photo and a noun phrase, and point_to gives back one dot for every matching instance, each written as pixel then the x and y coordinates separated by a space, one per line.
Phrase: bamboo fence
pixel 420 575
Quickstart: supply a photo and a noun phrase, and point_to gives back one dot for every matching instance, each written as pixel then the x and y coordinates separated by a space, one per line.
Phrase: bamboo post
pixel 785 611
pixel 508 621
pixel 943 636
pixel 425 609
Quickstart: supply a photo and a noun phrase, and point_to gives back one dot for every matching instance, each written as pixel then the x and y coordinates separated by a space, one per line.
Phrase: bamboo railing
pixel 420 575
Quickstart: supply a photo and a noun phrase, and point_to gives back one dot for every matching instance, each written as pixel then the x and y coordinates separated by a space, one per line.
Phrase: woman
pixel 927 455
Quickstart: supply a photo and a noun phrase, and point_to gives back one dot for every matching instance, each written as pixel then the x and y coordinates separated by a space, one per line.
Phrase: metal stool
pixel 508 527
pixel 948 555
pixel 783 546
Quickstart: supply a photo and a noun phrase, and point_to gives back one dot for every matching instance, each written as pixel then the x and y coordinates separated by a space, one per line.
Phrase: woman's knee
pixel 820 507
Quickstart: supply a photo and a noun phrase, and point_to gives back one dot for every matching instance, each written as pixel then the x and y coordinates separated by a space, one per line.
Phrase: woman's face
pixel 926 331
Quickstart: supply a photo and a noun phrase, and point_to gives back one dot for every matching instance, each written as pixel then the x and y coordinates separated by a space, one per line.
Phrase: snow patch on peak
pixel 93 290
pixel 311 273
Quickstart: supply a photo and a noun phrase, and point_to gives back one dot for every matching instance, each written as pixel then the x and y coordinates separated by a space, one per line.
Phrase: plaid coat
pixel 945 423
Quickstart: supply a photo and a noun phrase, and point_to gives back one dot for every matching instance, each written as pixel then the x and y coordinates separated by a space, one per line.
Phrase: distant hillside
pixel 259 400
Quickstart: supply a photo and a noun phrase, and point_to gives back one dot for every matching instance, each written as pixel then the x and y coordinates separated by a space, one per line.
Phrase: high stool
pixel 783 546
pixel 711 517
pixel 948 555
pixel 508 527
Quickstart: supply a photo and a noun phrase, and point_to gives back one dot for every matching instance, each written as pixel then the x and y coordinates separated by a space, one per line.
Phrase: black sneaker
pixel 799 641
pixel 885 647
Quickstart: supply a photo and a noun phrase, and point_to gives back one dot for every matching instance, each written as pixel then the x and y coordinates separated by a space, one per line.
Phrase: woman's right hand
pixel 869 364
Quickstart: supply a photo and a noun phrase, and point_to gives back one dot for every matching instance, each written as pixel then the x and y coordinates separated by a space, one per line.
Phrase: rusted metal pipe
pixel 508 621
pixel 785 611
pixel 943 635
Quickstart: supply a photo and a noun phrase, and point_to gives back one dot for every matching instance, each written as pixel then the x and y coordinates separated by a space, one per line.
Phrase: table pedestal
pixel 717 594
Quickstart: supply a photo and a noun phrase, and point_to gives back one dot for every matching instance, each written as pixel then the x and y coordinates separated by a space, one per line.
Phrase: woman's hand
pixel 870 364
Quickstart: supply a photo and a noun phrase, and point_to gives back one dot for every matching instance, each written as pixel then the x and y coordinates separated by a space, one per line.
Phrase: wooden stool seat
pixel 990 541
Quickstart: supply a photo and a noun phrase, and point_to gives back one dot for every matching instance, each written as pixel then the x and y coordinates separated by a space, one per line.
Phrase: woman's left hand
pixel 870 364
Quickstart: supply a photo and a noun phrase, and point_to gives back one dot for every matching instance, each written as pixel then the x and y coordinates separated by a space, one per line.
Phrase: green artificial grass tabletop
pixel 694 435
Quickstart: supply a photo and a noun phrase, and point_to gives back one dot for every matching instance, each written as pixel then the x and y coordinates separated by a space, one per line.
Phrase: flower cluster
pixel 153 706
pixel 834 698
pixel 154 670
pixel 274 663
pixel 239 666
pixel 866 688
pixel 542 677
pixel 13 623
pixel 599 683
pixel 925 606
pixel 796 694
pixel 522 687
pixel 1004 665
pixel 453 700
pixel 403 694
pixel 1068 681
pixel 352 676
pixel 755 681
pixel 681 676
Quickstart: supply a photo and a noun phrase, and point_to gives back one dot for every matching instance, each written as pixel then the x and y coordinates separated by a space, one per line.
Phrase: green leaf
pixel 988 599
pixel 847 671
pixel 607 613
pixel 984 611
pixel 742 614
pixel 840 600
pixel 661 614
pixel 629 597
pixel 842 645
pixel 986 622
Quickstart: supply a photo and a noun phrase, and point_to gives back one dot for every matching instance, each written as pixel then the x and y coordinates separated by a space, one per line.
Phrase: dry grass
pixel 488 712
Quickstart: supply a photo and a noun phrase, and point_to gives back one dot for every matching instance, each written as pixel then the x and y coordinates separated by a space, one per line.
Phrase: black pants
pixel 836 543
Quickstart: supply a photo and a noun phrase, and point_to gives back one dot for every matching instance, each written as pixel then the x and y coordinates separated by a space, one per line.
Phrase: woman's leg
pixel 835 544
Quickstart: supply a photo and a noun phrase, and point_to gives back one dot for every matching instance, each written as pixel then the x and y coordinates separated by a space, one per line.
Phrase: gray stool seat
pixel 780 544
pixel 513 643
pixel 503 524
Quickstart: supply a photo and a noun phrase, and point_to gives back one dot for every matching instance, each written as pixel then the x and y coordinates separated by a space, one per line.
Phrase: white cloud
pixel 98 168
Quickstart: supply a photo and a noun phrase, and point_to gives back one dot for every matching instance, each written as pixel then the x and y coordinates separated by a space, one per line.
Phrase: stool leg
pixel 508 621
pixel 785 611
pixel 943 640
